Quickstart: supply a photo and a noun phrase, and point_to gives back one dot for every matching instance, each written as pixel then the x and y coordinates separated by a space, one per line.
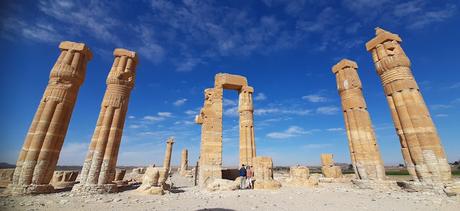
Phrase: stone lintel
pixel 80 47
pixel 344 63
pixel 249 89
pixel 230 81
pixel 125 52
pixel 380 37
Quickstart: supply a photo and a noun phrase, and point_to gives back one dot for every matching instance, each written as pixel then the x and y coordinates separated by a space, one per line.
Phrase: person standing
pixel 243 177
pixel 249 177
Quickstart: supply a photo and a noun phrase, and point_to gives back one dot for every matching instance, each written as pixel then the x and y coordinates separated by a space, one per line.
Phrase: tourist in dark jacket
pixel 243 177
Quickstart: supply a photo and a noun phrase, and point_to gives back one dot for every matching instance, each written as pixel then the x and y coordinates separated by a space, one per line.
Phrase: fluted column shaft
pixel 101 159
pixel 168 153
pixel 184 160
pixel 420 143
pixel 364 151
pixel 246 111
pixel 40 152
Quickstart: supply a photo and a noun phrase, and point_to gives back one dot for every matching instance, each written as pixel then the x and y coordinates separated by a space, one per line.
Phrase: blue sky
pixel 285 49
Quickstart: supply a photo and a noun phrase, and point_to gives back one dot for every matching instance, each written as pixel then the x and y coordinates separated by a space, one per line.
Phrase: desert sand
pixel 185 196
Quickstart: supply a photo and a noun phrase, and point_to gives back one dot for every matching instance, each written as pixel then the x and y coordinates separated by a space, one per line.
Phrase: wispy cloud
pixel 159 117
pixel 315 98
pixel 292 131
pixel 328 110
pixel 336 129
pixel 260 96
pixel 180 102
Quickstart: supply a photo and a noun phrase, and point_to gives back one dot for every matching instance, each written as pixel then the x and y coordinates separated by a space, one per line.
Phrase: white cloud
pixel 260 96
pixel 292 131
pixel 131 117
pixel 335 129
pixel 73 153
pixel 135 126
pixel 327 110
pixel 315 98
pixel 455 85
pixel 232 112
pixel 159 117
pixel 191 112
pixel 228 102
pixel 316 146
pixel 441 115
pixel 266 111
pixel 440 106
pixel 180 102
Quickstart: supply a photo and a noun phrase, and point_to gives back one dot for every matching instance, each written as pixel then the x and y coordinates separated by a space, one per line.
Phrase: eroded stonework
pixel 263 174
pixel 210 119
pixel 299 176
pixel 64 179
pixel 328 167
pixel 42 146
pixel 364 151
pixel 420 144
pixel 98 170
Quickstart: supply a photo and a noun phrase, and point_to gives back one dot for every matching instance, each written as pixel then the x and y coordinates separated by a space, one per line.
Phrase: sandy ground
pixel 328 196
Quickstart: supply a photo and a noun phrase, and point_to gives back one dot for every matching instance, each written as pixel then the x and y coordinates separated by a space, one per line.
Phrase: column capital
pixel 124 52
pixel 382 36
pixel 75 46
pixel 344 63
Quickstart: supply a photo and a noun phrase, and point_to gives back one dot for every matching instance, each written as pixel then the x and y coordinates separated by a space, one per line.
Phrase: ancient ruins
pixel 98 171
pixel 64 179
pixel 364 151
pixel 210 119
pixel 328 167
pixel 36 173
pixel 420 144
pixel 40 152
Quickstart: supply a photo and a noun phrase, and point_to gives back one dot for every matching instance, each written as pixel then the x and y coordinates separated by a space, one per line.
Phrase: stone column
pixel 168 152
pixel 420 144
pixel 210 119
pixel 40 152
pixel 246 110
pixel 183 162
pixel 365 153
pixel 99 168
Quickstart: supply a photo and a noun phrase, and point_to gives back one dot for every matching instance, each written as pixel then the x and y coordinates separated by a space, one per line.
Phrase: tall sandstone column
pixel 210 119
pixel 99 168
pixel 168 153
pixel 364 151
pixel 40 152
pixel 246 110
pixel 420 144
pixel 184 162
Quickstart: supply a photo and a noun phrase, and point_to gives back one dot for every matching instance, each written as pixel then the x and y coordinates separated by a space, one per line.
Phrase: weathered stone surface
pixel 151 182
pixel 100 162
pixel 223 185
pixel 6 177
pixel 119 176
pixel 64 179
pixel 364 151
pixel 299 176
pixel 263 174
pixel 420 143
pixel 328 167
pixel 210 119
pixel 183 170
pixel 42 146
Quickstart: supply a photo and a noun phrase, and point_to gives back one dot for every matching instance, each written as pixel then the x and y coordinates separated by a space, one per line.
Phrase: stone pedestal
pixel 64 179
pixel 99 166
pixel 6 177
pixel 151 182
pixel 42 146
pixel 420 144
pixel 119 175
pixel 299 176
pixel 364 151
pixel 263 174
pixel 328 167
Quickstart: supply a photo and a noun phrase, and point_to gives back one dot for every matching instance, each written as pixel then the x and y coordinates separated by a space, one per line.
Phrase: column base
pixel 95 188
pixel 434 187
pixel 63 185
pixel 267 184
pixel 14 189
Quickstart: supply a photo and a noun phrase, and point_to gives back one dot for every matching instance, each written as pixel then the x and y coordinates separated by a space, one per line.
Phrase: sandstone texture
pixel 421 146
pixel 64 179
pixel 299 176
pixel 6 177
pixel 364 151
pixel 328 167
pixel 40 153
pixel 263 174
pixel 210 119
pixel 99 167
